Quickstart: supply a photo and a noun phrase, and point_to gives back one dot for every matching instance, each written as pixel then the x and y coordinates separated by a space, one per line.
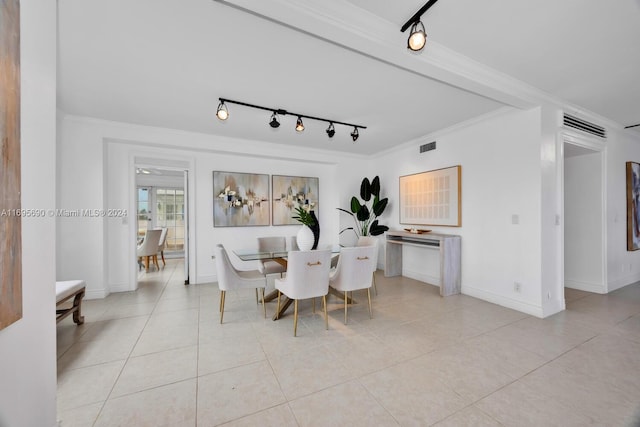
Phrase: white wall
pixel 501 177
pixel 27 347
pixel 623 267
pixel 104 154
pixel 583 243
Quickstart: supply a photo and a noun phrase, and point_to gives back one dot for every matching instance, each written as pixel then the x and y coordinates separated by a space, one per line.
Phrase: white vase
pixel 304 238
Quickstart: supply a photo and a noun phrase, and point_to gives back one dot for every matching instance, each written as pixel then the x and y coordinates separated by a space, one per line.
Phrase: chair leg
pixel 155 261
pixel 264 307
pixel 222 297
pixel 295 317
pixel 278 309
pixel 375 289
pixel 314 305
pixel 345 307
pixel 257 302
pixel 162 255
pixel 146 263
pixel 369 297
pixel 326 318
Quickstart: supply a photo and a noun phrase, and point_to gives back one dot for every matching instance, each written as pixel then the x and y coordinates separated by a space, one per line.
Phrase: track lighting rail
pixel 416 17
pixel 282 112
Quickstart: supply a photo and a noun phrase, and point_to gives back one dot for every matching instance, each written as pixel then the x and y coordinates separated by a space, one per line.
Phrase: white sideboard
pixel 447 244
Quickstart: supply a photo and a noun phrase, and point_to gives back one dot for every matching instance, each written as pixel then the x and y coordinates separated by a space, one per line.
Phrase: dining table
pixel 280 257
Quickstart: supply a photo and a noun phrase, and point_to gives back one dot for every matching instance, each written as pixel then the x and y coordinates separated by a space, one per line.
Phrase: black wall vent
pixel 428 147
pixel 584 126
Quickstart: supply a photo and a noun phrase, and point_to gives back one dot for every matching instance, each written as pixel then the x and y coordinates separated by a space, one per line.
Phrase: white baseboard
pixel 523 307
pixel 585 286
pixel 622 282
pixel 206 279
pixel 422 277
pixel 95 293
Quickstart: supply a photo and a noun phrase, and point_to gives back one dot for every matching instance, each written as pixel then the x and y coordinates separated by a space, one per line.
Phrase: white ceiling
pixel 166 62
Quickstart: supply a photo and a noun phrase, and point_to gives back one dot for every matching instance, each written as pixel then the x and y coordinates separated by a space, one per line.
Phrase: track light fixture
pixel 418 36
pixel 222 113
pixel 331 130
pixel 274 123
pixel 355 134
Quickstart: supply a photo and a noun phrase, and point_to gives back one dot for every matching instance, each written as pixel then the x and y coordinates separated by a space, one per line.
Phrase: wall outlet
pixel 517 287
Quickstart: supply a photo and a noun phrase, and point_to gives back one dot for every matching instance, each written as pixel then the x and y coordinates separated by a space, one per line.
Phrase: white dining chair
pixel 149 248
pixel 271 244
pixel 162 243
pixel 371 241
pixel 230 279
pixel 307 277
pixel 353 272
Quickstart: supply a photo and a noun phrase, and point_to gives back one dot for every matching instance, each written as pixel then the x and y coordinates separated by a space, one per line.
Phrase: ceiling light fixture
pixel 331 130
pixel 355 134
pixel 274 122
pixel 222 113
pixel 418 36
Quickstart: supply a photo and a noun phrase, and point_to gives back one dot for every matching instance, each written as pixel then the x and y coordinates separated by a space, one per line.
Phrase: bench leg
pixel 78 318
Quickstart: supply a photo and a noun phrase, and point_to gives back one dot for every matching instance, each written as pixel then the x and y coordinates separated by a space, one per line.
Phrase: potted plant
pixel 307 237
pixel 365 213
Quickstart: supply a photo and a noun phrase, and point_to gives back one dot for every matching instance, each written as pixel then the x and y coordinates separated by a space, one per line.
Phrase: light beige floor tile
pixel 308 371
pixel 83 386
pixel 177 304
pixel 84 416
pixel 156 369
pixel 88 353
pixel 363 354
pixel 574 294
pixel 280 416
pixel 174 319
pixel 153 340
pixel 212 330
pixel 347 404
pixel 469 416
pixel 414 397
pixel 228 353
pixel 166 406
pixel 130 327
pixel 235 393
pixel 518 405
pixel 119 311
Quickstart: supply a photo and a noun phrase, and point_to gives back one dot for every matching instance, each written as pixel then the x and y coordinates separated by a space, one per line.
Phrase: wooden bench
pixel 66 290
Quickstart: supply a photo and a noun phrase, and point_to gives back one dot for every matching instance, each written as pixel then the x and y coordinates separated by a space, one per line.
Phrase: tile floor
pixel 159 357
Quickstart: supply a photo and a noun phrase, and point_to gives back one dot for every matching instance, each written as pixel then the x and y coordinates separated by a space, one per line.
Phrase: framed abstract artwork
pixel 432 198
pixel 240 199
pixel 633 206
pixel 290 192
pixel 10 204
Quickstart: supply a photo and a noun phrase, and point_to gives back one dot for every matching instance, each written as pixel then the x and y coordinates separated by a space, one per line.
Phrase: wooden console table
pixel 447 244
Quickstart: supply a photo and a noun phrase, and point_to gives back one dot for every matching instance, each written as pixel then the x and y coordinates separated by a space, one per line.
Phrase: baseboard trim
pixel 520 306
pixel 585 286
pixel 622 282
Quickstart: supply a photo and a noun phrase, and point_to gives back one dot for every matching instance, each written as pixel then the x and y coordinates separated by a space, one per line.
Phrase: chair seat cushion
pixel 251 275
pixel 271 267
pixel 67 288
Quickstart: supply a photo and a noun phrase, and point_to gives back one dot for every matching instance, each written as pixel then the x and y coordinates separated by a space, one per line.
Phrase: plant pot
pixel 305 238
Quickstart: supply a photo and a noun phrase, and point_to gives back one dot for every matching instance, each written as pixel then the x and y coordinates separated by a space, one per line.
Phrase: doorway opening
pixel 584 227
pixel 161 203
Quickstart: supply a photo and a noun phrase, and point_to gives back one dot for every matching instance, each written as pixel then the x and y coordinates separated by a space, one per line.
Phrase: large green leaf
pixel 377 229
pixel 363 214
pixel 379 206
pixel 355 204
pixel 375 186
pixel 365 189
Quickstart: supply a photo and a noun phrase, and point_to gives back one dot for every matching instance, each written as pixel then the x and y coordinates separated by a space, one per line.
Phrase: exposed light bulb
pixel 299 125
pixel 418 37
pixel 222 113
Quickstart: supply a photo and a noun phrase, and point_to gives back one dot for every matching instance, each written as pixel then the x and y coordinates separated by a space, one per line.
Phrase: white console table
pixel 447 244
